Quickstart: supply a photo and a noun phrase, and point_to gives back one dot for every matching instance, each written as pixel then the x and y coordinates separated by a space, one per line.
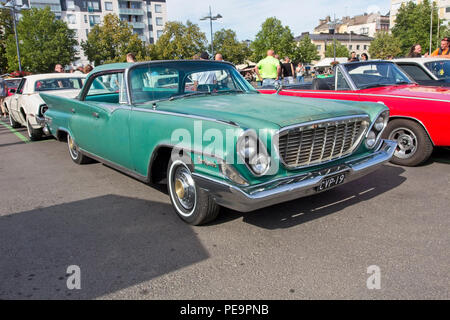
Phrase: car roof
pixel 419 60
pixel 55 75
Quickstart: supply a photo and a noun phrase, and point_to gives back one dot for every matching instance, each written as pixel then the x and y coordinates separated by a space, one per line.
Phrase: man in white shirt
pixel 206 77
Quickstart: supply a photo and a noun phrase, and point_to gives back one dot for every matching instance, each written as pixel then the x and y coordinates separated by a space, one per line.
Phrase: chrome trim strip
pixel 270 193
pixel 362 117
pixel 363 94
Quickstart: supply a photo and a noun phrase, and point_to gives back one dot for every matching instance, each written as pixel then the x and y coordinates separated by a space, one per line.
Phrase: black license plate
pixel 330 182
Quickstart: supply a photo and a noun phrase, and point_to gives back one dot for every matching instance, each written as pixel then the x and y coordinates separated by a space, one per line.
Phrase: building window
pixel 447 9
pixel 159 21
pixel 71 19
pixel 159 33
pixel 350 47
pixel 158 8
pixel 357 47
pixel 319 47
pixel 70 5
pixel 85 19
pixel 108 6
pixel 93 20
pixel 87 32
pixel 93 6
pixel 365 47
pixel 150 21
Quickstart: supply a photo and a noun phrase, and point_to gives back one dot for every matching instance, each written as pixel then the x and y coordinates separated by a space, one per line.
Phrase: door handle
pixel 95 114
pixel 72 110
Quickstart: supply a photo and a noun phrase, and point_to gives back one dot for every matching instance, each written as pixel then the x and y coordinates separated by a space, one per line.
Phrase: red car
pixel 12 83
pixel 419 115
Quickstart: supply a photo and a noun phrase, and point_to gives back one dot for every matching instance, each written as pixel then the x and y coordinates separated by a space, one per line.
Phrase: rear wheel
pixel 191 203
pixel 414 146
pixel 75 153
pixel 33 134
pixel 13 123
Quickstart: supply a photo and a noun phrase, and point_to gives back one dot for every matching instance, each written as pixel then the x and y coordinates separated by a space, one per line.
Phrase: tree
pixel 273 35
pixel 384 45
pixel 6 29
pixel 305 51
pixel 412 25
pixel 179 41
pixel 226 43
pixel 111 41
pixel 44 42
pixel 341 50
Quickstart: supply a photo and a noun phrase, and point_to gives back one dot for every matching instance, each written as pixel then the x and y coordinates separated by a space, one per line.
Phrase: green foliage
pixel 413 25
pixel 384 45
pixel 111 41
pixel 6 29
pixel 179 41
pixel 44 42
pixel 273 35
pixel 341 50
pixel 226 43
pixel 305 51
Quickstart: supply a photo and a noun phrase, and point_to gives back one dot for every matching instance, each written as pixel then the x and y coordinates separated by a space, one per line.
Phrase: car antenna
pixel 154 105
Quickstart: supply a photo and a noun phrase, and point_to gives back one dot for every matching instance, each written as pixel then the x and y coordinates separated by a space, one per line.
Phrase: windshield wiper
pixel 190 94
pixel 402 82
pixel 375 85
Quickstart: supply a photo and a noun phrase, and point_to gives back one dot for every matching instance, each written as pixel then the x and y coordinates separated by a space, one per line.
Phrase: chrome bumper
pixel 42 122
pixel 247 199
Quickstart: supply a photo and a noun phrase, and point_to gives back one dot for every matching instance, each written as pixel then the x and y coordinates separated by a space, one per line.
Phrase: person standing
pixel 205 77
pixel 131 58
pixel 268 69
pixel 288 71
pixel 415 51
pixel 3 94
pixel 300 72
pixel 353 57
pixel 443 51
pixel 364 57
pixel 221 75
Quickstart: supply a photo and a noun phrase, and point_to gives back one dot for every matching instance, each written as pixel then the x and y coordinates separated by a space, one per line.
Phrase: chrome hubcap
pixel 72 148
pixel 184 187
pixel 406 142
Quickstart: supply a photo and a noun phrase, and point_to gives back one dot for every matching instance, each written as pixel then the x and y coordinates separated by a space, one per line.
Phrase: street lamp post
pixel 11 5
pixel 332 29
pixel 211 18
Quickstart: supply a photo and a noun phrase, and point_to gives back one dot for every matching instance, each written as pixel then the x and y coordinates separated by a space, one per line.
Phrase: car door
pixel 15 101
pixel 99 123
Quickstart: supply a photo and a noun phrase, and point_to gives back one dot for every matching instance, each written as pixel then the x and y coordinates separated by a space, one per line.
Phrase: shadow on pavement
pixel 289 214
pixel 440 155
pixel 116 241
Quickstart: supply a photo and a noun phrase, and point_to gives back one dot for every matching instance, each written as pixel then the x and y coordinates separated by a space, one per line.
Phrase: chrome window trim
pixel 363 117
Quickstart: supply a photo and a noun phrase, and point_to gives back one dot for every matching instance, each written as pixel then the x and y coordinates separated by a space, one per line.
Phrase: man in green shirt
pixel 268 69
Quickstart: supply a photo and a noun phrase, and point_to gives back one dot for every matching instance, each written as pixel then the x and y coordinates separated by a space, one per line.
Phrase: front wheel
pixel 75 153
pixel 414 147
pixel 191 203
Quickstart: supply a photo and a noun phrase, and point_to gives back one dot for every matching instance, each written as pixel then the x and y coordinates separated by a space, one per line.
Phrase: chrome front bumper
pixel 247 199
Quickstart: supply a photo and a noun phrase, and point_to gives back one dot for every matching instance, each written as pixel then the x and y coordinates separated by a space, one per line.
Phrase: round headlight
pixel 379 124
pixel 249 147
pixel 371 139
pixel 259 163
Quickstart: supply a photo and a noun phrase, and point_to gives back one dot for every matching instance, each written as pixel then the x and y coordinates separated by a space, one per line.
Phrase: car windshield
pixel 441 69
pixel 376 74
pixel 58 84
pixel 173 80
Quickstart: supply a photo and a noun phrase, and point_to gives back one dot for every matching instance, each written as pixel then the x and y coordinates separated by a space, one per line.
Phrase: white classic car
pixel 25 106
pixel 431 71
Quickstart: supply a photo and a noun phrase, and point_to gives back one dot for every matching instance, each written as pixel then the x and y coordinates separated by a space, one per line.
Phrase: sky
pixel 246 16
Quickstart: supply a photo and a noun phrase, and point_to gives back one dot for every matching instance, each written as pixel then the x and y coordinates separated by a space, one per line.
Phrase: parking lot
pixel 129 244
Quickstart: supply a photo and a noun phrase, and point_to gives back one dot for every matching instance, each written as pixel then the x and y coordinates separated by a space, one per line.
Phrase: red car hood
pixel 411 91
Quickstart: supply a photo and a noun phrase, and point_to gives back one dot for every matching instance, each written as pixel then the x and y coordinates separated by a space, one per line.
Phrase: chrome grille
pixel 317 142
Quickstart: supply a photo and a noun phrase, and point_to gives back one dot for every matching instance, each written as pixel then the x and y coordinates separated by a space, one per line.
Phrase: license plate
pixel 331 182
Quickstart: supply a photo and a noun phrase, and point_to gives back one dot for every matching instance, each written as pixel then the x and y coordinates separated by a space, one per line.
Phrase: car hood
pixel 411 91
pixel 265 111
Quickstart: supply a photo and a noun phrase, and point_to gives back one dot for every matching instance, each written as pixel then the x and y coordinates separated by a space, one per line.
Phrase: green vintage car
pixel 202 129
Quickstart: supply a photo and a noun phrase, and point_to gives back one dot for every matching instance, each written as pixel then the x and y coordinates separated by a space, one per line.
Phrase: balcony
pixel 137 25
pixel 133 12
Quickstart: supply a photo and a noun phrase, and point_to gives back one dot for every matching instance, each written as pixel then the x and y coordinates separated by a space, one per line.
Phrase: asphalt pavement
pixel 128 243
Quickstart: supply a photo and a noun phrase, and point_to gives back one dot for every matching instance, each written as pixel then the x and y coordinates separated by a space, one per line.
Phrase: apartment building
pixel 443 7
pixel 146 17
pixel 354 42
pixel 366 24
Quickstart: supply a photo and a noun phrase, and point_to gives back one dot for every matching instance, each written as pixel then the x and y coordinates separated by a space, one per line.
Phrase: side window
pixel 415 72
pixel 341 82
pixel 108 88
pixel 153 83
pixel 214 80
